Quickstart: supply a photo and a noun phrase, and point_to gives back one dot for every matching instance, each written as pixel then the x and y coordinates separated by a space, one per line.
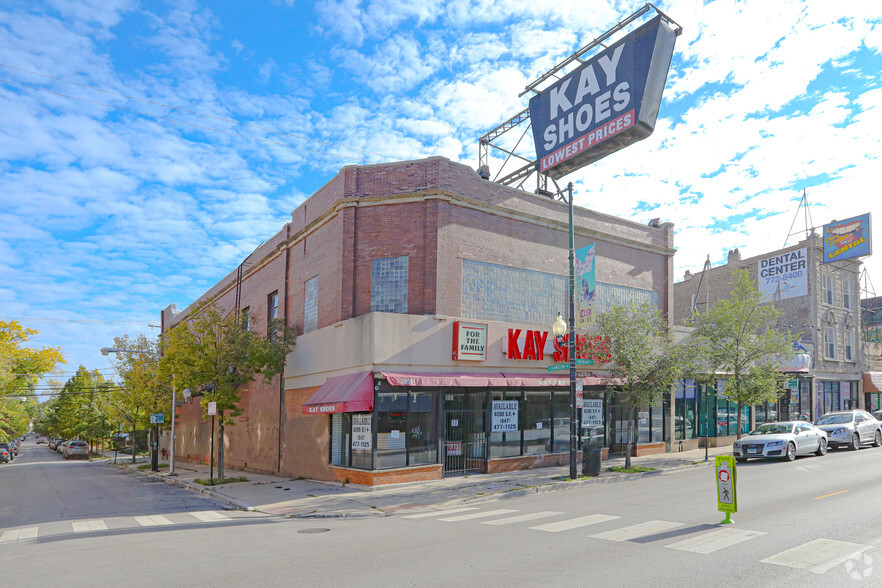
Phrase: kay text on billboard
pixel 609 102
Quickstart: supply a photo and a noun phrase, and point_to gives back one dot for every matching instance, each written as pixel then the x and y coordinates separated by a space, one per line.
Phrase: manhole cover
pixel 307 531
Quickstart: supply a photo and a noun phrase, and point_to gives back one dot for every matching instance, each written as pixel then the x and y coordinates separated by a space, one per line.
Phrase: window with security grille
pixel 389 284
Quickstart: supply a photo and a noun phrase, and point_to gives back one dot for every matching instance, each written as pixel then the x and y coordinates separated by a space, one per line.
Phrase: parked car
pixel 4 455
pixel 42 440
pixel 787 439
pixel 851 428
pixel 877 415
pixel 53 442
pixel 75 448
pixel 8 447
pixel 59 447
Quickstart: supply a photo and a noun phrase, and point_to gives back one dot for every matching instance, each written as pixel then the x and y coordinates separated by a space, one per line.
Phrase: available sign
pixel 361 432
pixel 607 103
pixel 504 415
pixel 592 413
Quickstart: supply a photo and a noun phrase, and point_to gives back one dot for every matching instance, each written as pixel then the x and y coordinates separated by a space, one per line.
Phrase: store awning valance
pixel 487 380
pixel 351 393
pixel 872 381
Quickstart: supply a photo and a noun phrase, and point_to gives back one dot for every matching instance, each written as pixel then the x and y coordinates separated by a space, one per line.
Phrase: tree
pixel 21 367
pixel 217 354
pixel 737 338
pixel 644 361
pixel 80 409
pixel 143 389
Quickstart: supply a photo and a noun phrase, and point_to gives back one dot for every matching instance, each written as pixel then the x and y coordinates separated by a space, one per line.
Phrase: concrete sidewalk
pixel 313 499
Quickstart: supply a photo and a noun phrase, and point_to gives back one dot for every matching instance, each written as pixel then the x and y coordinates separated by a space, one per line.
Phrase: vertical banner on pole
pixel 586 285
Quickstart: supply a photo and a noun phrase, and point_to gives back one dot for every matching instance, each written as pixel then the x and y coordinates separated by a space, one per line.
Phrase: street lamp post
pixel 171 466
pixel 559 328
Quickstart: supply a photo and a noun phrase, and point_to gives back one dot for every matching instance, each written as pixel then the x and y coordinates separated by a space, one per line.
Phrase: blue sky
pixel 116 203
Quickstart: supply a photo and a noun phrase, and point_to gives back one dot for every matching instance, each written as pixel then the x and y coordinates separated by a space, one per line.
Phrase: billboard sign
pixel 607 103
pixel 783 276
pixel 585 285
pixel 847 239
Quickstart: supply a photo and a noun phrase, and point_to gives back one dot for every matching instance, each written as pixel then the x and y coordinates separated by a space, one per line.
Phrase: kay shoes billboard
pixel 609 102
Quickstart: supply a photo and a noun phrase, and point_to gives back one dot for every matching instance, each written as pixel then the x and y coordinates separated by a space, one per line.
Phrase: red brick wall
pixel 383 477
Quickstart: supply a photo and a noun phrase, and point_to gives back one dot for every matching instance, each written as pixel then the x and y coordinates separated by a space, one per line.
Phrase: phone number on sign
pixel 791 276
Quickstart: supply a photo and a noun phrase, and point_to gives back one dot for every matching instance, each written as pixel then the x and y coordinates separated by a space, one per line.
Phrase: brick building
pixel 380 272
pixel 819 303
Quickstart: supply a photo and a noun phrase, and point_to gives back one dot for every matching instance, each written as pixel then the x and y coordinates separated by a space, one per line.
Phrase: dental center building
pixel 423 297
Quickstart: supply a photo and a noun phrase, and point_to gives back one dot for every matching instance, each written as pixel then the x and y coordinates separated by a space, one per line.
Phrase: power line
pixel 51 320
pixel 219 118
pixel 180 122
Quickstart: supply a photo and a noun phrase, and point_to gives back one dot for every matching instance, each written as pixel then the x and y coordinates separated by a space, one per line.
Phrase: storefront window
pixel 657 424
pixel 537 422
pixel 760 414
pixel 829 397
pixel 507 443
pixel 391 415
pixel 422 438
pixel 561 423
pixel 707 415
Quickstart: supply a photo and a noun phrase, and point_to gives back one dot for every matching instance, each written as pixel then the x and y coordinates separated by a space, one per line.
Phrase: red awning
pixel 352 393
pixel 872 381
pixel 486 380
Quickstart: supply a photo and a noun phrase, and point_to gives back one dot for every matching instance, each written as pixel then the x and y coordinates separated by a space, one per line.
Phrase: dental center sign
pixel 609 102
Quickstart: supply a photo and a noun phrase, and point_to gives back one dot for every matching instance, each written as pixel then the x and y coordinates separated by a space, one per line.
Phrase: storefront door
pixel 465 442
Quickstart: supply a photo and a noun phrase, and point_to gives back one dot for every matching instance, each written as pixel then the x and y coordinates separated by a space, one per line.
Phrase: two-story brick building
pixel 424 296
pixel 819 303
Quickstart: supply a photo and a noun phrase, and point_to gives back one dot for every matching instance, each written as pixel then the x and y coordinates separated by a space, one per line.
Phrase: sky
pixel 146 148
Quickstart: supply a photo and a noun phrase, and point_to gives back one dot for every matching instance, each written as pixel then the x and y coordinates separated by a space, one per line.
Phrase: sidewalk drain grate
pixel 318 530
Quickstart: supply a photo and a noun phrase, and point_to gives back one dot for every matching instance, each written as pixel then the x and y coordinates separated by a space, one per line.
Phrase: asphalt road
pixel 811 522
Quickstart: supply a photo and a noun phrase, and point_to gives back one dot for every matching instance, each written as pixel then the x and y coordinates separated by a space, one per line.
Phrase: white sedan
pixel 787 440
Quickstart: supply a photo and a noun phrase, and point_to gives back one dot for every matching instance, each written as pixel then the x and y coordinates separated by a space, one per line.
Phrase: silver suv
pixel 851 428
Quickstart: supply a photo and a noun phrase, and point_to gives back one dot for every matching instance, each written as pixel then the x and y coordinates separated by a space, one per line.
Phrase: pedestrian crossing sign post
pixel 727 502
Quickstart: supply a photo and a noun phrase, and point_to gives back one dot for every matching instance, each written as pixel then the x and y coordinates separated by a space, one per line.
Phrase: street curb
pixel 568 485
pixel 208 493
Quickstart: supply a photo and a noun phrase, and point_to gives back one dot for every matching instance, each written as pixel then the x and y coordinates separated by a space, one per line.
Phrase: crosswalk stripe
pixel 87 526
pixel 18 534
pixel 439 513
pixel 817 556
pixel 715 540
pixel 210 516
pixel 636 531
pixel 478 515
pixel 574 523
pixel 153 520
pixel 521 518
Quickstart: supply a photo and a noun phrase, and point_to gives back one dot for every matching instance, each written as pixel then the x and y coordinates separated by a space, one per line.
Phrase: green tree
pixel 216 353
pixel 80 409
pixel 143 387
pixel 644 360
pixel 21 367
pixel 736 340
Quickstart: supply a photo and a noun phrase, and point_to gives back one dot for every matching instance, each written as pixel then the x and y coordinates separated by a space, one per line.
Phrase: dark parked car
pixel 4 455
pixel 8 447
